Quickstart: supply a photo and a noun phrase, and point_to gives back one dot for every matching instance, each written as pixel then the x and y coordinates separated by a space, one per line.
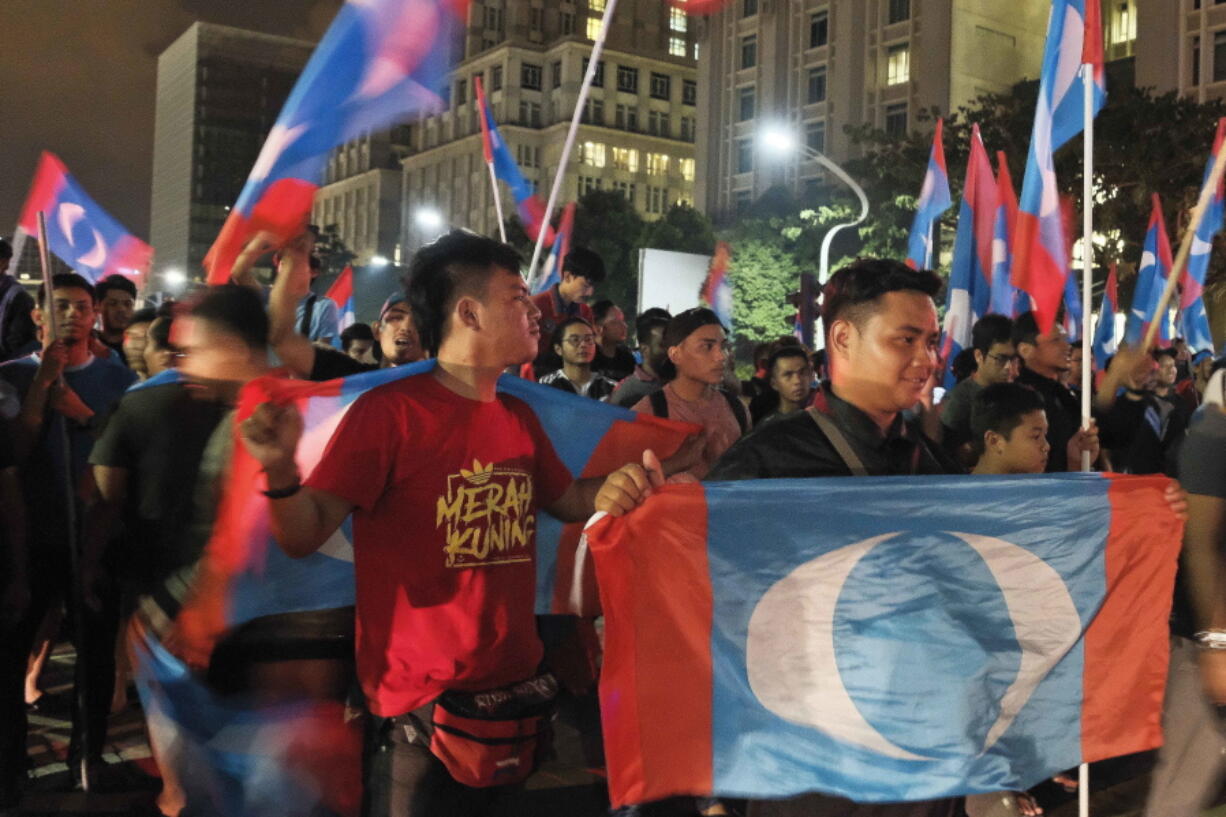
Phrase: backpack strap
pixel 839 441
pixel 304 328
pixel 738 410
pixel 659 403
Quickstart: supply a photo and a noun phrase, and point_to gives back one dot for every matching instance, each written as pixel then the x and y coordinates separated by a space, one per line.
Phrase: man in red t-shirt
pixel 444 478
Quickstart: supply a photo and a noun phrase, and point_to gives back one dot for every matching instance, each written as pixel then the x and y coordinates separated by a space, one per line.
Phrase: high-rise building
pixel 638 128
pixel 1182 45
pixel 219 90
pixel 813 67
pixel 362 195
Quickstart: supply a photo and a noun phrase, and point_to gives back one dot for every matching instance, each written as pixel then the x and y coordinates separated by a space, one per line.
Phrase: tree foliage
pixel 680 229
pixel 334 254
pixel 608 224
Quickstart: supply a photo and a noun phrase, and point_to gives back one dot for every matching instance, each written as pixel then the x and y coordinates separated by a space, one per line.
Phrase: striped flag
pixel 1005 297
pixel 528 204
pixel 1156 263
pixel 341 294
pixel 1193 320
pixel 934 199
pixel 551 270
pixel 717 289
pixel 1104 333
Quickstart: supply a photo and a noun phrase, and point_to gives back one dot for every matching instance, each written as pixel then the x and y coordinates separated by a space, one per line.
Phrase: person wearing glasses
pixel 995 362
pixel 575 342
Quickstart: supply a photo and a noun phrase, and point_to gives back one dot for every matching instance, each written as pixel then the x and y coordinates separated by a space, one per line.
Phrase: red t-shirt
pixel 447 491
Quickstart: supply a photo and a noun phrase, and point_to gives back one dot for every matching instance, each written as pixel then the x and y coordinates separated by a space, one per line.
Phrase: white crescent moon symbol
pixel 67 216
pixel 789 652
pixel 96 257
pixel 1045 619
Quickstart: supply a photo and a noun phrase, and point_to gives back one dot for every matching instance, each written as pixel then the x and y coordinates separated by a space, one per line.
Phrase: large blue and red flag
pixel 551 270
pixel 717 288
pixel 1193 320
pixel 341 294
pixel 528 204
pixel 1156 263
pixel 380 62
pixel 79 231
pixel 970 287
pixel 245 574
pixel 1040 261
pixel 934 199
pixel 1006 298
pixel 916 644
pixel 1104 333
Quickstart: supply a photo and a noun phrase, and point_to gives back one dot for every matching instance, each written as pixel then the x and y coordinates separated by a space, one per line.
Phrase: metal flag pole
pixel 483 111
pixel 70 520
pixel 593 62
pixel 1087 258
pixel 502 226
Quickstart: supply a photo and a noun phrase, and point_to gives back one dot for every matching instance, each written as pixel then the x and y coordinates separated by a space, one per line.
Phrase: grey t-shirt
pixel 1202 458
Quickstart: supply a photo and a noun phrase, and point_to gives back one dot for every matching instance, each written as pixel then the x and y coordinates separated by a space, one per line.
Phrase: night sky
pixel 77 77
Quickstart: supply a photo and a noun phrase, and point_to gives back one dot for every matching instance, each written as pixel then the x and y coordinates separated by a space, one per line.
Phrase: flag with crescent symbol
pixel 883 639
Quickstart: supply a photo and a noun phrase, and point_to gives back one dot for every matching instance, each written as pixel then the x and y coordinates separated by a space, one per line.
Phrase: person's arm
pixel 327 320
pixel 1122 366
pixel 293 281
pixel 1204 563
pixel 304 518
pixel 38 397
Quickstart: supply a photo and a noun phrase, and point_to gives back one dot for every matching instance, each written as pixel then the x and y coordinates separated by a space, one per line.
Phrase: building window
pixel 598 79
pixel 627 79
pixel 1195 50
pixel 695 52
pixel 493 19
pixel 741 200
pixel 626 159
pixel 587 184
pixel 496 78
pixel 536 18
pixel 528 156
pixel 687 169
pixel 689 92
pixel 626 189
pixel 530 76
pixel 568 23
pixel 555 75
pixel 593 28
pixel 626 117
pixel 461 92
pixel 898 64
pixel 745 104
pixel 661 86
pixel 1219 56
pixel 657 200
pixel 749 8
pixel 592 153
pixel 596 5
pixel 817 85
pixel 896 119
pixel 819 29
pixel 687 128
pixel 749 51
pixel 676 47
pixel 899 10
pixel 815 136
pixel 677 20
pixel 658 124
pixel 530 113
pixel 593 112
pixel 657 164
pixel 744 155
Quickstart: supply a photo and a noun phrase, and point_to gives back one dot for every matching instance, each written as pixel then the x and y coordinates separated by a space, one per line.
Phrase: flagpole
pixel 1087 252
pixel 593 61
pixel 1189 236
pixel 502 227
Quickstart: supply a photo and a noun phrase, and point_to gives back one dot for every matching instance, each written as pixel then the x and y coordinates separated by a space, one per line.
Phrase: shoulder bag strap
pixel 837 439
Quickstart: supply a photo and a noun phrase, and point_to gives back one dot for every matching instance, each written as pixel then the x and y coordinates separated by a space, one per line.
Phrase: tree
pixel 333 254
pixel 680 229
pixel 608 224
pixel 763 272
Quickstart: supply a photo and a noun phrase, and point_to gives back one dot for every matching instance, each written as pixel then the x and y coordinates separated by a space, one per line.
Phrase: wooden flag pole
pixel 1189 237
pixel 76 586
pixel 593 62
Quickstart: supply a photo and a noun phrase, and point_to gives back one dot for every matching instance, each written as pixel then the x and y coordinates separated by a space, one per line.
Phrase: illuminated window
pixel 593 28
pixel 676 46
pixel 898 64
pixel 657 164
pixel 626 159
pixel 593 153
pixel 687 169
pixel 677 21
pixel 596 5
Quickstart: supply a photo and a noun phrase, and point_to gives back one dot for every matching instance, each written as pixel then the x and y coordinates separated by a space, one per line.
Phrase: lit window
pixel 626 159
pixel 593 153
pixel 687 169
pixel 676 46
pixel 596 5
pixel 657 164
pixel 898 64
pixel 593 28
pixel 677 21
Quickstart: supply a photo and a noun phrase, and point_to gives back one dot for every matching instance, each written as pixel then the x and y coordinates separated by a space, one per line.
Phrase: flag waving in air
pixel 528 204
pixel 916 644
pixel 717 289
pixel 1005 296
pixel 380 62
pixel 970 288
pixel 1040 261
pixel 1104 332
pixel 1193 320
pixel 79 231
pixel 551 270
pixel 341 294
pixel 1155 266
pixel 934 199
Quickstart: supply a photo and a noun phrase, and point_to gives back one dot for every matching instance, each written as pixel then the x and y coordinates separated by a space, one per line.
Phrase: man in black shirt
pixel 613 359
pixel 17 333
pixel 1044 358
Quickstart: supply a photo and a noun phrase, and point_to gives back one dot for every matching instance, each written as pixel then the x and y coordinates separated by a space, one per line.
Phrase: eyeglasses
pixel 579 341
pixel 1005 360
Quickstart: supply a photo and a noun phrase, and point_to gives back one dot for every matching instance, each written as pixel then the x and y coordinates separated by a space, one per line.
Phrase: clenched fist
pixel 271 435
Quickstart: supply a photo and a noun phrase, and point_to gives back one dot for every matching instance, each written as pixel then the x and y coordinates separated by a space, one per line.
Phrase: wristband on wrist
pixel 286 492
pixel 1211 639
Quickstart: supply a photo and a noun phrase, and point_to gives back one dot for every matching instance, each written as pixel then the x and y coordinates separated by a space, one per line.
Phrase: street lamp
pixel 174 278
pixel 782 141
pixel 429 220
pixel 379 261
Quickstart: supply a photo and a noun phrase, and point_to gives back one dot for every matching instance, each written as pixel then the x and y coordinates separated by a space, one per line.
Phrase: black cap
pixel 687 323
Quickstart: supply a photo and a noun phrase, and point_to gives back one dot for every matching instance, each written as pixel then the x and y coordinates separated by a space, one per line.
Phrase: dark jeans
pixel 403 779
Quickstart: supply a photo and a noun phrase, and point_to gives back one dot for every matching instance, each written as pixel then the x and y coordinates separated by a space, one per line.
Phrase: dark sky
pixel 77 77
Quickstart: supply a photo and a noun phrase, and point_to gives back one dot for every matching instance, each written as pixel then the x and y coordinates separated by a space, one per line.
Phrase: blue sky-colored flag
pixel 1155 266
pixel 1193 320
pixel 934 199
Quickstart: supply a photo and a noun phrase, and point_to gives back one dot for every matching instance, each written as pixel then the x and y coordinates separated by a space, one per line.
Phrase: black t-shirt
pixel 1063 409
pixel 617 366
pixel 157 434
pixel 331 364
pixel 1142 435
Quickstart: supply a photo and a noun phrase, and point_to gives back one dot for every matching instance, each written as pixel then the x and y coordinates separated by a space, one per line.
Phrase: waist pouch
pixel 494 737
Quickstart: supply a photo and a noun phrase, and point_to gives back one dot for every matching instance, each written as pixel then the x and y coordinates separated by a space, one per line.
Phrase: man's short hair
pixel 1025 329
pixel 66 280
pixel 989 331
pixel 356 331
pixel 645 324
pixel 146 315
pixel 457 264
pixel 236 310
pixel 6 250
pixel 1000 408
pixel 601 309
pixel 963 365
pixel 1161 353
pixel 560 331
pixel 783 352
pixel 584 263
pixel 656 312
pixel 159 332
pixel 115 281
pixel 854 292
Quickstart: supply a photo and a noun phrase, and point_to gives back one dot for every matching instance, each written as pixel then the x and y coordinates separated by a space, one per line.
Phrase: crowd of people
pixel 117 427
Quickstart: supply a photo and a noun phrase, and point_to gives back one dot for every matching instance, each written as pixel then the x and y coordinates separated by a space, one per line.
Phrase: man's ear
pixel 992 439
pixel 979 358
pixel 840 337
pixel 467 312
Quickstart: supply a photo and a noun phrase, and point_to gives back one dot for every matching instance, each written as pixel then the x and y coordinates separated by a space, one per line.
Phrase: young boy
pixel 1009 432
